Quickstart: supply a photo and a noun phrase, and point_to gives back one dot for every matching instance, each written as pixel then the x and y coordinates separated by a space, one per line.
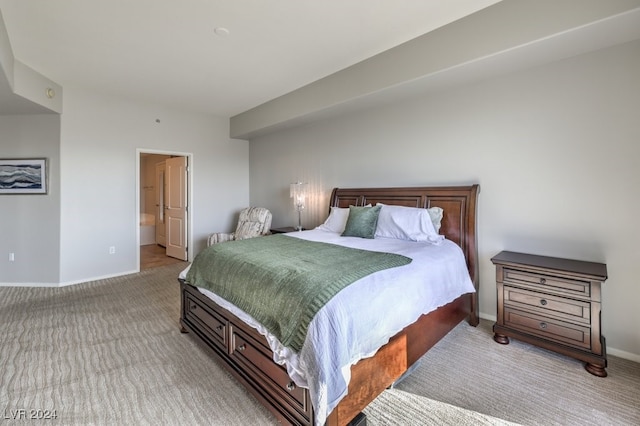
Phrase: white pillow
pixel 405 223
pixel 337 220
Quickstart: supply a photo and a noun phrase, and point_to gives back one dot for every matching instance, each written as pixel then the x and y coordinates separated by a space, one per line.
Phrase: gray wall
pixel 100 140
pixel 30 224
pixel 93 151
pixel 554 148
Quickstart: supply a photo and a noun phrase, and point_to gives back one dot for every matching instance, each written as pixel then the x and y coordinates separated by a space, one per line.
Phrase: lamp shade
pixel 298 192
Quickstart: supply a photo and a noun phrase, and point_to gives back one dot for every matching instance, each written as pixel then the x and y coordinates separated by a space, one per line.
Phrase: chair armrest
pixel 267 224
pixel 220 237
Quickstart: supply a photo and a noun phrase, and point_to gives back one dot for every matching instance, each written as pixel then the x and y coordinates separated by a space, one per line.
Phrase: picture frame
pixel 23 176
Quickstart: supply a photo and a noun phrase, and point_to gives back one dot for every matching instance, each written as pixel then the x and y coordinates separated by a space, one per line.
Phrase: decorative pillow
pixel 405 223
pixel 436 217
pixel 362 222
pixel 336 221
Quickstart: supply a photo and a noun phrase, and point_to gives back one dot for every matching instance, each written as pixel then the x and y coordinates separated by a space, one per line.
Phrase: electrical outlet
pixel 12 257
pixel 112 250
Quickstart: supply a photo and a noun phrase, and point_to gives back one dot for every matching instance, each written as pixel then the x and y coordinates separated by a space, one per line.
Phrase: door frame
pixel 189 235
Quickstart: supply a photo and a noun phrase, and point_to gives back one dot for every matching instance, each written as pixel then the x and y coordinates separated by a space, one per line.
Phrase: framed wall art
pixel 23 176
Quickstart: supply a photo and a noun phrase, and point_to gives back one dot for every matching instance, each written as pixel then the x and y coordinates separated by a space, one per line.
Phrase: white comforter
pixel 365 315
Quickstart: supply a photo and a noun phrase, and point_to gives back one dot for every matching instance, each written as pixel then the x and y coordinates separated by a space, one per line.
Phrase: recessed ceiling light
pixel 221 31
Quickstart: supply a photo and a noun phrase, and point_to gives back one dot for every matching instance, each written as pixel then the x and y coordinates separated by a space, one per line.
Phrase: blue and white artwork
pixel 23 176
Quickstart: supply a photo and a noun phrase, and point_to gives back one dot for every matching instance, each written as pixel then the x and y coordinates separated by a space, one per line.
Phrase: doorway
pixel 163 191
pixel 154 256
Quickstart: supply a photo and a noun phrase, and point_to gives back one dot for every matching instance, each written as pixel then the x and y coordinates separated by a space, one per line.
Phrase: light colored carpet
pixel 525 384
pixel 110 353
pixel 396 407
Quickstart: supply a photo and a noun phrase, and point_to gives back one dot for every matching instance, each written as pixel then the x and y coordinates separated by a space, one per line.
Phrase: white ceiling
pixel 167 51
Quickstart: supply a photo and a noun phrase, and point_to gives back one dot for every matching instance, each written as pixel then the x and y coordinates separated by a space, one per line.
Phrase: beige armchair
pixel 253 222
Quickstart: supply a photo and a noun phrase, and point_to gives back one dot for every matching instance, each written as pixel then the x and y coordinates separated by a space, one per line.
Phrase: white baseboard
pixel 67 283
pixel 623 354
pixel 29 285
pixel 488 317
pixel 102 277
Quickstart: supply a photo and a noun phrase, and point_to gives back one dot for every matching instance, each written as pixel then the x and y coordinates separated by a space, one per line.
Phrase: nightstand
pixel 553 303
pixel 284 230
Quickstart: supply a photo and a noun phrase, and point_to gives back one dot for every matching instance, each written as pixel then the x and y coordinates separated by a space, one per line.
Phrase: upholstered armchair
pixel 253 222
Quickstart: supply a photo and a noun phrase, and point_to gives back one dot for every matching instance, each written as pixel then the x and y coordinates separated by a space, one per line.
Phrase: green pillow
pixel 362 222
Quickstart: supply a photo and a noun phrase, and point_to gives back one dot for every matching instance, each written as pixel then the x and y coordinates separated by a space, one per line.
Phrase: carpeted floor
pixel 525 384
pixel 110 352
pixel 397 407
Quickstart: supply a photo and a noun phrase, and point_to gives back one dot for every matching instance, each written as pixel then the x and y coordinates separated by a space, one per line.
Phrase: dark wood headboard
pixel 458 221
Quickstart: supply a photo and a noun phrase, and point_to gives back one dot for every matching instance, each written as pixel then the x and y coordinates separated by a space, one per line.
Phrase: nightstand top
pixel 594 269
pixel 284 230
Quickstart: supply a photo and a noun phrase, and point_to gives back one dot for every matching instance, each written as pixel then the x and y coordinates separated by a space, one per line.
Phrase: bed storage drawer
pixel 212 323
pixel 246 355
pixel 252 353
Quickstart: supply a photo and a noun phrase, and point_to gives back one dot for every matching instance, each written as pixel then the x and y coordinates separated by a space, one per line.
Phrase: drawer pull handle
pixel 193 307
pixel 543 302
pixel 291 386
pixel 542 280
pixel 543 325
pixel 242 347
pixel 219 328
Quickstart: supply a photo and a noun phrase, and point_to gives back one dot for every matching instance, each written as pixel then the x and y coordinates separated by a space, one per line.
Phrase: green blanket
pixel 283 281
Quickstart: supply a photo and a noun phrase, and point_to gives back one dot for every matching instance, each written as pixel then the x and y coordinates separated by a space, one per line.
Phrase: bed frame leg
pixel 474 315
pixel 473 320
pixel 359 420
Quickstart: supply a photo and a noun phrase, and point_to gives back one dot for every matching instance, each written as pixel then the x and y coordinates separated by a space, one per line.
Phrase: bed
pixel 247 351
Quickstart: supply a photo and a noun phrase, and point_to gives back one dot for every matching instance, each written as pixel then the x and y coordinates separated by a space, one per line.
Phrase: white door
pixel 176 207
pixel 160 222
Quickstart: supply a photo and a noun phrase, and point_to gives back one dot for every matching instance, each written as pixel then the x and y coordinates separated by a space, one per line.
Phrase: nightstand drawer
pixel 548 305
pixel 549 283
pixel 548 328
